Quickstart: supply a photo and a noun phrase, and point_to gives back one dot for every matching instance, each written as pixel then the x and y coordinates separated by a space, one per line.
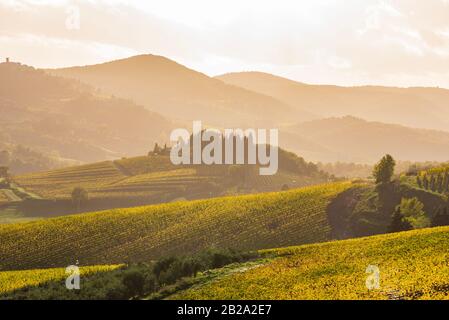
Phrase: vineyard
pixel 149 176
pixel 136 177
pixel 279 180
pixel 58 184
pixel 152 179
pixel 248 222
pixel 146 164
pixel 15 280
pixel 411 265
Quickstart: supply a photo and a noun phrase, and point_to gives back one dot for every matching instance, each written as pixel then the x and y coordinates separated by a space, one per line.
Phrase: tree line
pixel 154 280
pixel 436 182
pixel 409 214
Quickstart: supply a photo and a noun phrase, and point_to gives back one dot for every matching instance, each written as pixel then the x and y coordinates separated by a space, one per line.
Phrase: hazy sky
pixel 346 42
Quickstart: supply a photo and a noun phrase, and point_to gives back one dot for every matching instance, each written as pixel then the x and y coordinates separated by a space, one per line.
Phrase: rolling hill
pixel 247 222
pixel 20 159
pixel 411 265
pixel 177 92
pixel 413 107
pixel 154 179
pixel 67 119
pixel 350 139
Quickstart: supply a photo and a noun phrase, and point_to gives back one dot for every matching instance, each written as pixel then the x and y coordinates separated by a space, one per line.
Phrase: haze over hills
pixel 414 107
pixel 175 91
pixel 263 100
pixel 72 120
pixel 355 140
pixel 77 121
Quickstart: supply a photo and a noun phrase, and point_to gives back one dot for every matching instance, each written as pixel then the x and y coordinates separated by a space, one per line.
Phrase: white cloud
pixel 325 41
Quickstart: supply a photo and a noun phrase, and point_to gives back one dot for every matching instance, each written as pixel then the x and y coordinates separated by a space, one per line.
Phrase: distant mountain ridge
pixel 180 93
pixel 311 118
pixel 70 119
pixel 413 107
pixel 351 139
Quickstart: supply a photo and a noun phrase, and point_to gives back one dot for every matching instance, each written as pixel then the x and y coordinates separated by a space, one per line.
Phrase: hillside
pixel 413 107
pixel 412 265
pixel 22 160
pixel 66 119
pixel 247 222
pixel 350 139
pixel 177 92
pixel 367 210
pixel 154 179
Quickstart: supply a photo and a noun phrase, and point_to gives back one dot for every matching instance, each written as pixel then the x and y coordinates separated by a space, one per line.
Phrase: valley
pixel 86 178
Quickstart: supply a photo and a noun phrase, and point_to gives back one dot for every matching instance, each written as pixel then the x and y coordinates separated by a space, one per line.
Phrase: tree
pixel 156 148
pixel 446 181
pixel 412 209
pixel 134 282
pixel 384 169
pixel 79 196
pixel 425 181
pixel 432 183
pixel 441 218
pixel 419 181
pixel 398 222
pixel 439 186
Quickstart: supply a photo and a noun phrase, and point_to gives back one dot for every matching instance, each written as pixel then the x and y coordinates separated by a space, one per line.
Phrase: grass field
pixel 412 265
pixel 16 280
pixel 248 222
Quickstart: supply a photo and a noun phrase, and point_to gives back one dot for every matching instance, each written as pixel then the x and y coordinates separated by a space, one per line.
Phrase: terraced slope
pixel 58 184
pixel 146 164
pixel 153 179
pixel 122 179
pixel 412 265
pixel 249 222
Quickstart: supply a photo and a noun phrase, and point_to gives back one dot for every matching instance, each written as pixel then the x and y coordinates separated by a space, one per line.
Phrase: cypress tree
pixel 418 181
pixel 425 181
pixel 446 181
pixel 398 222
pixel 439 184
pixel 432 183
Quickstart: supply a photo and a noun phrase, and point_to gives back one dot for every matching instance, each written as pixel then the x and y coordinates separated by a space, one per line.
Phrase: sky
pixel 342 42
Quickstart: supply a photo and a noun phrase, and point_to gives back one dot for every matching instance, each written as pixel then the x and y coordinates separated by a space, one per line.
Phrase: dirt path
pixel 11 195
